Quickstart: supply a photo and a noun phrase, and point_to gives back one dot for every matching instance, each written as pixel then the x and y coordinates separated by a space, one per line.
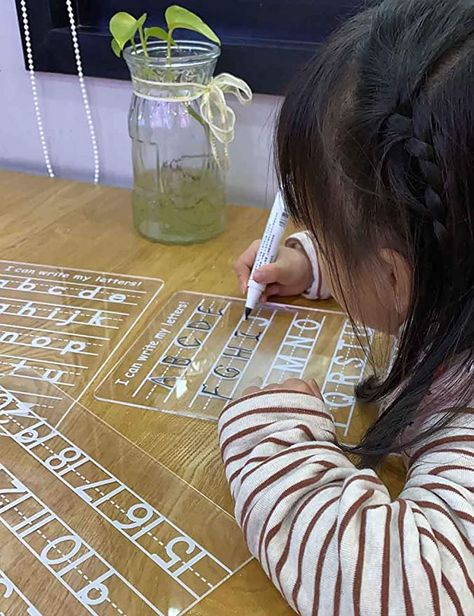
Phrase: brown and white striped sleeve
pixel 328 535
pixel 319 288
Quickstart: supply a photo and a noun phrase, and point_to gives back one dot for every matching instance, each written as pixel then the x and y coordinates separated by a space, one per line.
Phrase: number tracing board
pixel 198 352
pixel 114 529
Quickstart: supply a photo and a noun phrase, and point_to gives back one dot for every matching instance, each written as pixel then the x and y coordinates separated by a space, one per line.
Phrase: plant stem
pixel 169 70
pixel 143 42
pixel 197 117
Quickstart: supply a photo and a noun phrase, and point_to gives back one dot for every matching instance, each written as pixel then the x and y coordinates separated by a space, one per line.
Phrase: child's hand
pixel 296 385
pixel 290 274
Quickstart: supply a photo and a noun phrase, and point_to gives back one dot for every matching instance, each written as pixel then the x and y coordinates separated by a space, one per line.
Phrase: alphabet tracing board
pixel 198 353
pixel 62 324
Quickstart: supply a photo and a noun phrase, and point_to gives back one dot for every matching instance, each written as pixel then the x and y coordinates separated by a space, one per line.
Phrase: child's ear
pixel 399 279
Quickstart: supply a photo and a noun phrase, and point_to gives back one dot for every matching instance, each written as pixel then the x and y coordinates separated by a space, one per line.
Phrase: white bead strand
pixel 34 88
pixel 82 85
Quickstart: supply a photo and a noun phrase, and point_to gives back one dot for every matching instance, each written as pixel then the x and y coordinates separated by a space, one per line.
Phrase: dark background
pixel 263 41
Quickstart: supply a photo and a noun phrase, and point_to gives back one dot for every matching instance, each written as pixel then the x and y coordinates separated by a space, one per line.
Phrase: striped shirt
pixel 328 535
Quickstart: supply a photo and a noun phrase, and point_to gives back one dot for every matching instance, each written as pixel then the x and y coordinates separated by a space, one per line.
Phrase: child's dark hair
pixel 375 149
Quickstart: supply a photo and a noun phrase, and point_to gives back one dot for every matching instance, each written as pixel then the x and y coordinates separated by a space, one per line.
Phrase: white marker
pixel 268 251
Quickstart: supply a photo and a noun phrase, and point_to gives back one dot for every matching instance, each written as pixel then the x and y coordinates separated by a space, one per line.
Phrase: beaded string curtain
pixel 82 86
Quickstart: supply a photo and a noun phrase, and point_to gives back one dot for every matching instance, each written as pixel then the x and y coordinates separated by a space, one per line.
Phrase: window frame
pixel 267 65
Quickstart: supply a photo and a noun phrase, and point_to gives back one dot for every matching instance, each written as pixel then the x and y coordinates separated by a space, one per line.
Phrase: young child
pixel 375 151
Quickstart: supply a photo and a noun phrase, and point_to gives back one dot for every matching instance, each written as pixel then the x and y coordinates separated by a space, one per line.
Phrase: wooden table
pixel 79 226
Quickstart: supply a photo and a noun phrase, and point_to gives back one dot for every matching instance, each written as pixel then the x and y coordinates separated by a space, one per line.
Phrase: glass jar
pixel 179 189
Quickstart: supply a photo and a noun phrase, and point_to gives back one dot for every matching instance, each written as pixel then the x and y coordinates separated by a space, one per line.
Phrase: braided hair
pixel 381 123
pixel 423 174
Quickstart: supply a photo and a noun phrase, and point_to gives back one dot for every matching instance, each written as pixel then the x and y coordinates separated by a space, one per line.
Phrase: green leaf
pixel 123 27
pixel 116 48
pixel 179 17
pixel 141 20
pixel 157 32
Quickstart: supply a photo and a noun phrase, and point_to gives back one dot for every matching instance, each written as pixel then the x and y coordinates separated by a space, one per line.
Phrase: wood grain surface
pixel 79 226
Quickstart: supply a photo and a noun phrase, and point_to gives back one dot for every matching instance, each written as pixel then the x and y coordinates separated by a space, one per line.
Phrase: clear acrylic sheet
pixel 198 352
pixel 89 523
pixel 64 323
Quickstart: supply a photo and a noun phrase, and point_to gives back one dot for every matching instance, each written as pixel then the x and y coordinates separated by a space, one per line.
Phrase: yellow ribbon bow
pixel 215 112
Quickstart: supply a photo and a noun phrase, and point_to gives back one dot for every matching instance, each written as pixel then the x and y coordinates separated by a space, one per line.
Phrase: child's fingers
pixel 256 381
pixel 267 274
pixel 307 387
pixel 271 291
pixel 315 388
pixel 250 391
pixel 243 265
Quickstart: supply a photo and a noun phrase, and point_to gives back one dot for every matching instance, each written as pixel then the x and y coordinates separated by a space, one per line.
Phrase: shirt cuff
pixel 318 288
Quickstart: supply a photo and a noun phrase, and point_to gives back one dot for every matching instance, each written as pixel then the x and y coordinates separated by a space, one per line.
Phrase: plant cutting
pixel 125 28
pixel 180 125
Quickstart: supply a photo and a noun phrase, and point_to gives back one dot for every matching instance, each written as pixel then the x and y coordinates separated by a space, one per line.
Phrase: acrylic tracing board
pixel 97 524
pixel 198 353
pixel 113 529
pixel 63 324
